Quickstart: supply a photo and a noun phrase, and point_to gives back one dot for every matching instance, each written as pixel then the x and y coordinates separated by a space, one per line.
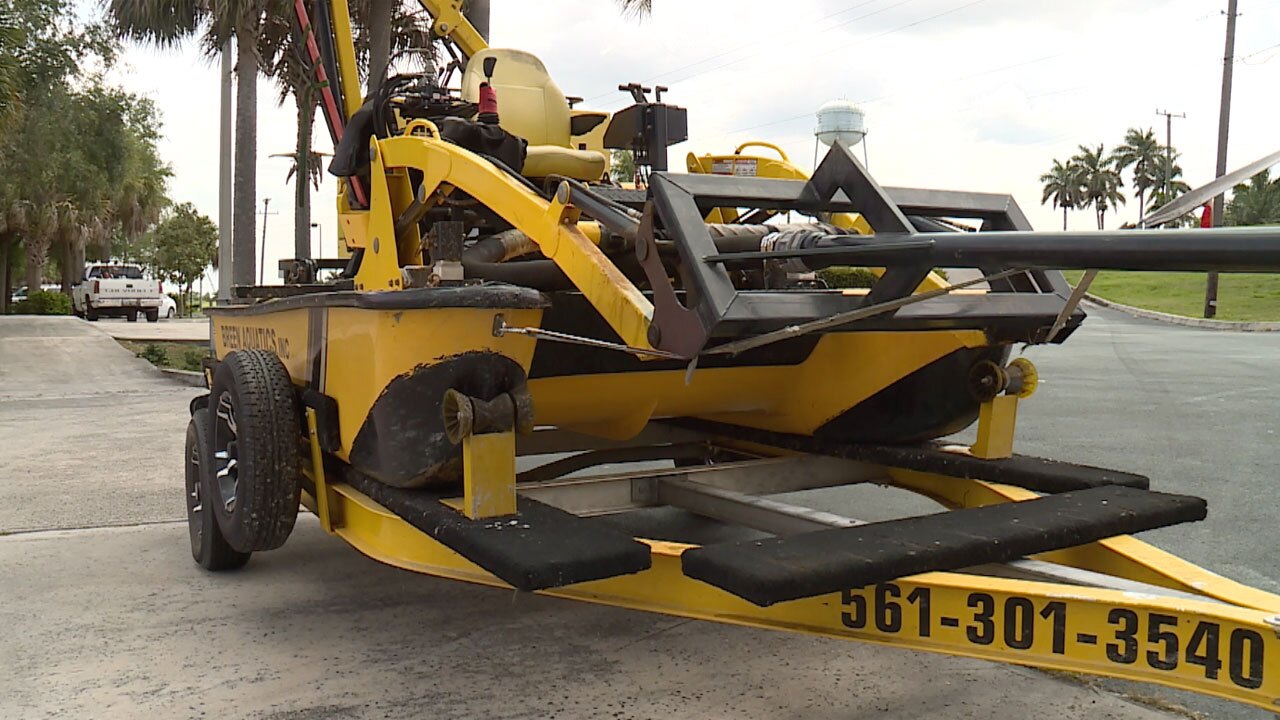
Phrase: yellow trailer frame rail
pixel 1118 607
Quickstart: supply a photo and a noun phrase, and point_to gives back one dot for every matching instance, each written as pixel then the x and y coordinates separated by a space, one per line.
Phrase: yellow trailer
pixel 514 345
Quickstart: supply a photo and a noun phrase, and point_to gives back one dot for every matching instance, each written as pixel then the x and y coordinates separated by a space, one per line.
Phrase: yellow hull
pixel 387 369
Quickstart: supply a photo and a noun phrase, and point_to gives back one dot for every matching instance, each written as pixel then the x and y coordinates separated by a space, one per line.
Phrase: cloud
pixel 959 94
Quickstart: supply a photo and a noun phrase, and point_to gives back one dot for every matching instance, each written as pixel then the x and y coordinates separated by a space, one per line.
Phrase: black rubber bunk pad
pixel 538 548
pixel 1032 473
pixel 788 568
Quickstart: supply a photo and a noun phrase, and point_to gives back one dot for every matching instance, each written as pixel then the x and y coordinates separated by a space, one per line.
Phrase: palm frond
pixel 636 8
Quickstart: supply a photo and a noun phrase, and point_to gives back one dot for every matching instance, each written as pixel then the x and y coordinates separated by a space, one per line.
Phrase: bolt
pixel 562 193
pixel 375 246
pixel 642 249
pixel 655 335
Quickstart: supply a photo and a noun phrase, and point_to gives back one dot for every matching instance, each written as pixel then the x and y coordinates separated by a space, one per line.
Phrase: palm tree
pixel 1099 181
pixel 636 7
pixel 1062 186
pixel 10 69
pixel 1256 202
pixel 1166 167
pixel 166 23
pixel 283 61
pixel 1140 151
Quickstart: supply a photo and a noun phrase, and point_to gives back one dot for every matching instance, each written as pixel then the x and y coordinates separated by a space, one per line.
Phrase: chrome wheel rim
pixel 225 459
pixel 195 504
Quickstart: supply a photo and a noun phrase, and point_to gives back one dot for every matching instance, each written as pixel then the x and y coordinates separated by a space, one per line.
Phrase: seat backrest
pixel 530 104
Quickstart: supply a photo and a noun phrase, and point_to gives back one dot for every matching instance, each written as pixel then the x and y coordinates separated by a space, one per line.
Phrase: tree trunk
pixel 302 178
pixel 379 42
pixel 68 264
pixel 37 253
pixel 5 240
pixel 78 264
pixel 1064 218
pixel 478 15
pixel 245 196
pixel 1142 205
pixel 7 259
pixel 1102 216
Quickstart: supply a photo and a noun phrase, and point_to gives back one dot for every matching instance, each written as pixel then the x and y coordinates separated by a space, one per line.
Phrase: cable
pixel 1245 58
pixel 962 78
pixel 753 46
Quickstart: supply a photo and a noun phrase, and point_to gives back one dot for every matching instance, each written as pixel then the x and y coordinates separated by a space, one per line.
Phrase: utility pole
pixel 1168 148
pixel 262 251
pixel 1224 124
pixel 225 150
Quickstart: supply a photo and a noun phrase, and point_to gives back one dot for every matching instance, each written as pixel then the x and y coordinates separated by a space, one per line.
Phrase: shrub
pixel 44 302
pixel 855 277
pixel 154 354
pixel 191 358
pixel 848 277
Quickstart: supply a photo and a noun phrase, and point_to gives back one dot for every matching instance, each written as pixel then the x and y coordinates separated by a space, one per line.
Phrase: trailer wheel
pixel 131 316
pixel 209 548
pixel 153 315
pixel 90 314
pixel 255 435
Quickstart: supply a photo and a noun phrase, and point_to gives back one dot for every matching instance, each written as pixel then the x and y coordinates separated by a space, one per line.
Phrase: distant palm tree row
pixel 1093 178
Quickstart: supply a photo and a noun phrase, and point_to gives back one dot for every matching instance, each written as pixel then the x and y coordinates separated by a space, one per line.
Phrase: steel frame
pixel 1117 607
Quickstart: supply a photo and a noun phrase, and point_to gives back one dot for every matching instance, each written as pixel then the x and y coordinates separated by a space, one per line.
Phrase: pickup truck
pixel 116 290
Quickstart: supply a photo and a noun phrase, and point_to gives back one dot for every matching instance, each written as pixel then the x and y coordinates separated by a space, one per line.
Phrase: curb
pixel 184 377
pixel 1201 323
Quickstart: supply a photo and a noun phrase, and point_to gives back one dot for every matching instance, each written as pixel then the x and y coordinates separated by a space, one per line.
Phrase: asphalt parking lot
pixel 106 616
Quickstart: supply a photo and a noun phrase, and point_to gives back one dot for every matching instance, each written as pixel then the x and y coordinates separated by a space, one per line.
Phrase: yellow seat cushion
pixel 546 160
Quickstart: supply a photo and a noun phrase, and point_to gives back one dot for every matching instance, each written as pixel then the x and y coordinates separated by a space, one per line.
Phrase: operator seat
pixel 531 105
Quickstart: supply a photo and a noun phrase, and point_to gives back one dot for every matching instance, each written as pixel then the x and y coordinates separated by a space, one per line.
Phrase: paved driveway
pixel 106 616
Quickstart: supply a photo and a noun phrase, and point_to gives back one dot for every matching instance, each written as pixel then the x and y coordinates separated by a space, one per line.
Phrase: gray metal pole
pixel 262 251
pixel 1168 150
pixel 477 14
pixel 1224 125
pixel 225 258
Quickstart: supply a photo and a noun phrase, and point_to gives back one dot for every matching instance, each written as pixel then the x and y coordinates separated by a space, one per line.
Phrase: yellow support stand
pixel 996 421
pixel 489 475
pixel 317 473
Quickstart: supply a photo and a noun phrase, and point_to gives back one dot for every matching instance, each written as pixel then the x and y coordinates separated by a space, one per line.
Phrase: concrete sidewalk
pixel 182 330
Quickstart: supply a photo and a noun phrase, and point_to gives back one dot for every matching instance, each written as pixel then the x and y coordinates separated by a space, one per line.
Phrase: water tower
pixel 840 120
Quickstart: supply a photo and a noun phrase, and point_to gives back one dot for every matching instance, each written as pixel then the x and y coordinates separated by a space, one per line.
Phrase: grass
pixel 174 355
pixel 1240 296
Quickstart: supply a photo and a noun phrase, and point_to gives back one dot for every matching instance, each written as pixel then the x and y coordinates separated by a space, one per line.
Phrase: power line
pixel 962 78
pixel 1245 58
pixel 732 50
pixel 751 46
pixel 875 37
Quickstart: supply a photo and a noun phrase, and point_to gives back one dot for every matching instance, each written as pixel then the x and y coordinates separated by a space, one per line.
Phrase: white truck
pixel 116 290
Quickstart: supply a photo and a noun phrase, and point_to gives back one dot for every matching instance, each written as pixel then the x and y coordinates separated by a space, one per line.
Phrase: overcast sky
pixel 962 94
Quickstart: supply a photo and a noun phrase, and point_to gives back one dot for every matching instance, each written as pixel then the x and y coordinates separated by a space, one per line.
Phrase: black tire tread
pixel 267 417
pixel 215 553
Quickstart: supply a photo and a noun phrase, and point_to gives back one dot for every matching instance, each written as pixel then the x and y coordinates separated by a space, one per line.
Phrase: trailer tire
pixel 153 315
pixel 209 548
pixel 131 316
pixel 255 433
pixel 91 315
